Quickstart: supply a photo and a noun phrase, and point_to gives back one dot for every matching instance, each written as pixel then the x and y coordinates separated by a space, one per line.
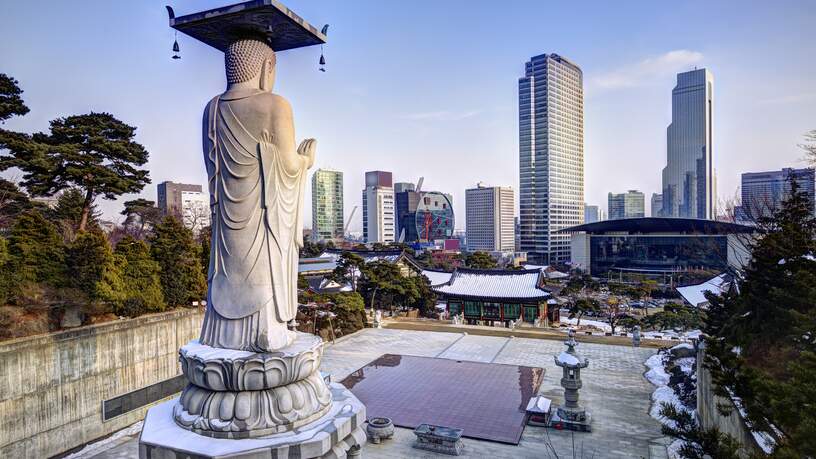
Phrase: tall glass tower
pixel 551 156
pixel 327 205
pixel 689 189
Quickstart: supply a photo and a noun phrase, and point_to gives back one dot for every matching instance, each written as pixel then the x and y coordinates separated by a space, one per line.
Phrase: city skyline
pixel 465 125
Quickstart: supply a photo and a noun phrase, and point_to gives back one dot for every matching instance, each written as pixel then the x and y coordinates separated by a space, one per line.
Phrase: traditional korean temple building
pixel 489 296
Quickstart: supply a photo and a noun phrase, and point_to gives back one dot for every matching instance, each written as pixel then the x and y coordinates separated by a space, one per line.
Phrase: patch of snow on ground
pixel 587 322
pixel 686 364
pixel 673 449
pixel 658 376
pixel 101 445
pixel 657 372
pixel 605 327
pixel 661 395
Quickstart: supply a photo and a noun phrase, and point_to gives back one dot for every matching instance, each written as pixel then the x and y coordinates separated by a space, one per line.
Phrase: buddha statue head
pixel 250 63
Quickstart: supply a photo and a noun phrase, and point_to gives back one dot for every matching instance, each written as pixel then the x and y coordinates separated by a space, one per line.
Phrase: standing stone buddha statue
pixel 256 183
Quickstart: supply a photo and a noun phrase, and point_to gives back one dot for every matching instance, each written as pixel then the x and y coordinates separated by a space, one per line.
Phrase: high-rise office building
pixel 551 156
pixel 592 214
pixel 169 197
pixel 378 207
pixel 405 204
pixel 626 205
pixel 764 192
pixel 689 189
pixel 327 205
pixel 657 205
pixel 401 187
pixel 489 213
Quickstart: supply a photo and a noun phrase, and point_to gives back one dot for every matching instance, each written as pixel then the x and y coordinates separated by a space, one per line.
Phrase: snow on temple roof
pixel 695 294
pixel 549 271
pixel 437 278
pixel 521 284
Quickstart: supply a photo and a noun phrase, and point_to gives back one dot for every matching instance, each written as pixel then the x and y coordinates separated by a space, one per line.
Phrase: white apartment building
pixel 379 222
pixel 195 210
pixel 489 218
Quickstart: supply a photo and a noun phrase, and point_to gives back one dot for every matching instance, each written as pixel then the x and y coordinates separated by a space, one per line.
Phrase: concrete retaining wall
pixel 708 415
pixel 52 386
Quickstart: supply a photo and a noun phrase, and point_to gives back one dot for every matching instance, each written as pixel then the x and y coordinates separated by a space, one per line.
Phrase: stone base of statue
pixel 337 434
pixel 246 404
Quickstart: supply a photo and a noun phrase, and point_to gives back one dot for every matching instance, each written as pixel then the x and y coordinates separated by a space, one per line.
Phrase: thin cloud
pixel 648 70
pixel 442 115
pixel 790 99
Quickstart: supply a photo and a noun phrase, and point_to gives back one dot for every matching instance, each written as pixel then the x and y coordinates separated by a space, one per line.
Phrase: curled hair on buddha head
pixel 244 59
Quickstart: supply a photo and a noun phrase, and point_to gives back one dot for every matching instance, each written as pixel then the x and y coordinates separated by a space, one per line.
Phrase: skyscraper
pixel 626 205
pixel 591 214
pixel 763 192
pixel 657 205
pixel 551 156
pixel 378 207
pixel 489 221
pixel 688 178
pixel 327 204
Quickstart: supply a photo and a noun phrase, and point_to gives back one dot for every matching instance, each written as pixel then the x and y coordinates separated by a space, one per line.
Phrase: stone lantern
pixel 571 415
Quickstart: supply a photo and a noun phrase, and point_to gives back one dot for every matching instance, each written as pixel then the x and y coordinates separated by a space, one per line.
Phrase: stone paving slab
pixel 475 348
pixel 353 352
pixel 615 391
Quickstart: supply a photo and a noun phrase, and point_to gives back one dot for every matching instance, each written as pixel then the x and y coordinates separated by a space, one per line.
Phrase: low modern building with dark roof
pixel 489 296
pixel 659 245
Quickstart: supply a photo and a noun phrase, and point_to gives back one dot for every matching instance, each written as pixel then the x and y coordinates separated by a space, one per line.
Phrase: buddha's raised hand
pixel 307 148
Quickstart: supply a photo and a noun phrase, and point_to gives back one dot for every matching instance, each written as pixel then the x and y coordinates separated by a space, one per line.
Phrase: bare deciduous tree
pixel 810 147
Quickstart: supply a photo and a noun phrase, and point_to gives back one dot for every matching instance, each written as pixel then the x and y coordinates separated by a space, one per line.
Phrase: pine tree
pixel 763 337
pixel 36 252
pixel 5 278
pixel 173 247
pixel 67 213
pixel 95 153
pixel 95 272
pixel 141 278
pixel 11 104
pixel 480 260
pixel 141 215
pixel 13 202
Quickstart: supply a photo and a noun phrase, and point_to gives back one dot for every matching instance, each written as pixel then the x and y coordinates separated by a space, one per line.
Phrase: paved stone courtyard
pixel 615 392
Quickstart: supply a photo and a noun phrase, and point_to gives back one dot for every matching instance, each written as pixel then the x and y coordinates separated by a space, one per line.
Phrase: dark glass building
pixel 658 245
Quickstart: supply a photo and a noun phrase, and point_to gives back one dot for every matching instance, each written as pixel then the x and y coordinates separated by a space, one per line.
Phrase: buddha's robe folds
pixel 256 235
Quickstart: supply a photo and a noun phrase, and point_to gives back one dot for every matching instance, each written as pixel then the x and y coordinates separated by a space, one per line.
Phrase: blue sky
pixel 429 88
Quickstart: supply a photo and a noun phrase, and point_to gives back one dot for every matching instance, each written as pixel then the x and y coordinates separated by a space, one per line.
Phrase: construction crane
pixel 348 222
